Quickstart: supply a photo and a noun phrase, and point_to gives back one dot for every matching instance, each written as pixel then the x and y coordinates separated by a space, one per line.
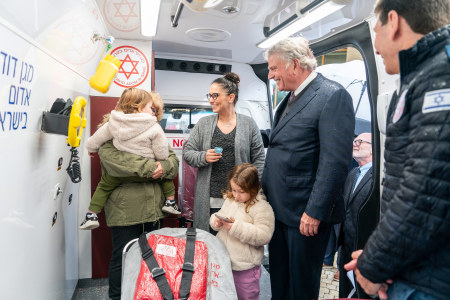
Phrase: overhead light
pixel 149 16
pixel 308 19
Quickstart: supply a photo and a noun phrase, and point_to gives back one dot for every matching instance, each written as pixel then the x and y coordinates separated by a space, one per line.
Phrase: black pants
pixel 296 261
pixel 345 285
pixel 121 235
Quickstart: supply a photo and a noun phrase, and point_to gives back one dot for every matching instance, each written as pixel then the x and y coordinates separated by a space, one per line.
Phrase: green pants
pixel 109 183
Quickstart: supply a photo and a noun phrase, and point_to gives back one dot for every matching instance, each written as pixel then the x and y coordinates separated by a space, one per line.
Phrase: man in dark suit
pixel 357 187
pixel 306 165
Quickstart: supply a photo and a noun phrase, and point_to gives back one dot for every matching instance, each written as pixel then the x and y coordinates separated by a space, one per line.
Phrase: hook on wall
pixel 98 37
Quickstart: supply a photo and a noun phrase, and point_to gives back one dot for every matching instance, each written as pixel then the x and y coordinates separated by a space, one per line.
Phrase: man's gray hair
pixel 291 48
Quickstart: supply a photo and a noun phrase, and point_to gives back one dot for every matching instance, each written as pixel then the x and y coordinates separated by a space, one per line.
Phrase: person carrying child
pixel 133 127
pixel 245 223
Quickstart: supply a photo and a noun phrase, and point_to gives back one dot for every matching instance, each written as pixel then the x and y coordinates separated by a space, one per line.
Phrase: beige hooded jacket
pixel 137 133
pixel 250 231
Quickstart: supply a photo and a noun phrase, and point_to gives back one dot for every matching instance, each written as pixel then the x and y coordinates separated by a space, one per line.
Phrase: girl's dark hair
pixel 230 83
pixel 246 177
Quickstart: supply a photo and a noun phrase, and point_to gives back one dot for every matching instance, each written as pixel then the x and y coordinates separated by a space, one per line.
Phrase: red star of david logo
pixel 125 4
pixel 127 60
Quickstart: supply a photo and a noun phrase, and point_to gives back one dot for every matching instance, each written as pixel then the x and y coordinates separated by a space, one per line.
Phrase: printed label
pixel 166 250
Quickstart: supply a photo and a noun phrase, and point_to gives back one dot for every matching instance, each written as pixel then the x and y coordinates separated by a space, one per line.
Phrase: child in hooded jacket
pixel 249 228
pixel 133 126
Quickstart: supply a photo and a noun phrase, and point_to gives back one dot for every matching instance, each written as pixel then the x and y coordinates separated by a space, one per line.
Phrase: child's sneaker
pixel 171 207
pixel 90 222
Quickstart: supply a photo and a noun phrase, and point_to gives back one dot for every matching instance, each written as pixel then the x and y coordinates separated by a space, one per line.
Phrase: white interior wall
pixel 49 42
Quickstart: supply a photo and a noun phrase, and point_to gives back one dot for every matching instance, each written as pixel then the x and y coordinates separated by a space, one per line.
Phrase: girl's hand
pixel 212 156
pixel 217 222
pixel 227 225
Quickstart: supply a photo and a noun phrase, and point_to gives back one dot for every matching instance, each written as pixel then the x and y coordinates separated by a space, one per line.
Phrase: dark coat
pixel 347 234
pixel 353 202
pixel 411 244
pixel 309 153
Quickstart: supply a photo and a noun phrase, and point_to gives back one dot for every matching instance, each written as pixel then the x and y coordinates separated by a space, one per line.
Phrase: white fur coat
pixel 250 232
pixel 137 133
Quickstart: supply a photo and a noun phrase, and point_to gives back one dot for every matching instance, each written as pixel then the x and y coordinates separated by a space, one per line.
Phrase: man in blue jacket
pixel 408 254
pixel 309 151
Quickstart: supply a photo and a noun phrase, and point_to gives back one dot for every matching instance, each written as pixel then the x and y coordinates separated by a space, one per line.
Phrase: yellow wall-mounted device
pixel 77 122
pixel 105 73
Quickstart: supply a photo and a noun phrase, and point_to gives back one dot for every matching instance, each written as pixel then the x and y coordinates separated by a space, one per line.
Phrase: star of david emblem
pixel 127 60
pixel 438 100
pixel 125 4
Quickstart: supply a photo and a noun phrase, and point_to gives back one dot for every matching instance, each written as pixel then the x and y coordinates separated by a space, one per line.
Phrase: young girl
pixel 249 228
pixel 133 127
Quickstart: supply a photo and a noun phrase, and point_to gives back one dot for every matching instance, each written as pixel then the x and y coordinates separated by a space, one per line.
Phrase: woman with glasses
pixel 219 142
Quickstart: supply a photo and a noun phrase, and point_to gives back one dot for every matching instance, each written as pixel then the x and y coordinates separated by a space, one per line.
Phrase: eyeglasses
pixel 214 96
pixel 358 142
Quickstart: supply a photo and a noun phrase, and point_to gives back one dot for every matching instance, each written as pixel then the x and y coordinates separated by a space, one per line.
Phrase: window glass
pixel 177 119
pixel 346 66
pixel 276 95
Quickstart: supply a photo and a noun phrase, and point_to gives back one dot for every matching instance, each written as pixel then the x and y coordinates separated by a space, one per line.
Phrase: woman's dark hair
pixel 230 83
pixel 246 177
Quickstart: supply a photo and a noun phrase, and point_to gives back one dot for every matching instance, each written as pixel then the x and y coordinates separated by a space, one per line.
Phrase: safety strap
pixel 158 273
pixel 188 264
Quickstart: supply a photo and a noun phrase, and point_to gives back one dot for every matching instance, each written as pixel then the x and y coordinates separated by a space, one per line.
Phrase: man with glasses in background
pixel 356 189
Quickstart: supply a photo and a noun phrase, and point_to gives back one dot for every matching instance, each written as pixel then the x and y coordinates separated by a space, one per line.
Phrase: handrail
pixel 176 17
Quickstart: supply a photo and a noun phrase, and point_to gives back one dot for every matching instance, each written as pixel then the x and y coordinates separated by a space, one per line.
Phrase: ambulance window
pixel 346 66
pixel 275 94
pixel 177 119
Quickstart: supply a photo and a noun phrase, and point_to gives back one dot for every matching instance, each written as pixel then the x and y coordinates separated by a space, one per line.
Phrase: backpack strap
pixel 158 273
pixel 188 264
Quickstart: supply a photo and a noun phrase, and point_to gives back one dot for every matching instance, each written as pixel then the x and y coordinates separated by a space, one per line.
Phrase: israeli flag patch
pixel 436 101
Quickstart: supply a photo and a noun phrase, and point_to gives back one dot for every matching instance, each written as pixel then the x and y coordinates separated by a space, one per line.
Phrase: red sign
pixel 134 68
pixel 176 142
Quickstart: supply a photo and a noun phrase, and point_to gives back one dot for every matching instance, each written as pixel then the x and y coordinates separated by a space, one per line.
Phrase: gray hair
pixel 291 48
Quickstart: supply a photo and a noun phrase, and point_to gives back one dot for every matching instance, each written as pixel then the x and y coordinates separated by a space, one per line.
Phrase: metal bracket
pixel 57 191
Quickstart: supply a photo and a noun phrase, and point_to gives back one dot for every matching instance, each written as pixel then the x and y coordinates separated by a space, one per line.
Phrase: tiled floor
pixel 329 287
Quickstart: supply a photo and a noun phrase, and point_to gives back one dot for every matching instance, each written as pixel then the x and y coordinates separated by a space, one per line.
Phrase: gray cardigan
pixel 249 148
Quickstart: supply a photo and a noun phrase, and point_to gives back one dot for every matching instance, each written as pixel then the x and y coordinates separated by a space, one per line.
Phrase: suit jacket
pixel 353 202
pixel 347 234
pixel 309 153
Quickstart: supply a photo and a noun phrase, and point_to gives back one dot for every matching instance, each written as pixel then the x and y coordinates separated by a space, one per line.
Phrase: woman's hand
pixel 158 171
pixel 212 156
